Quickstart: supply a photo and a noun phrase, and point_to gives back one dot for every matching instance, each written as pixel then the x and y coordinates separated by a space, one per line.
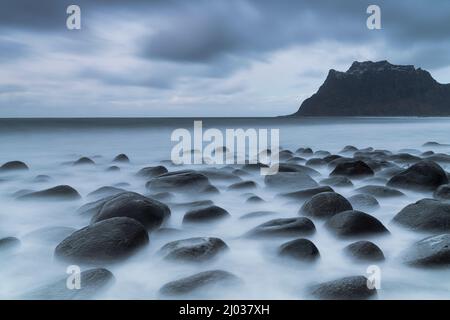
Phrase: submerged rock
pixel 182 181
pixel 432 251
pixel 324 205
pixel 254 199
pixel 55 193
pixel 425 215
pixel 316 162
pixel 285 227
pixel 364 251
pixel 13 166
pixel 103 242
pixel 122 158
pixel 364 202
pixel 423 176
pixel 92 281
pixel 216 280
pixel 337 181
pixel 9 243
pixel 243 185
pixel 306 194
pixel 290 180
pixel 257 214
pixel 151 172
pixel 284 167
pixel 443 192
pixel 300 249
pixel 193 249
pixel 149 212
pixel 105 192
pixel 354 223
pixel 113 169
pixel 348 288
pixel 42 178
pixel 84 161
pixel 380 191
pixel 205 214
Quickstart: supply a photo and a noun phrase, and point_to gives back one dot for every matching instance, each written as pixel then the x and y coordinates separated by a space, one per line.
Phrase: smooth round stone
pixel 302 250
pixel 284 227
pixel 356 169
pixel 122 158
pixel 423 176
pixel 364 202
pixel 84 161
pixel 443 192
pixel 432 251
pixel 13 166
pixel 355 223
pixel 56 193
pixel 380 191
pixel 348 288
pixel 206 214
pixel 193 249
pixel 243 185
pixel 325 205
pixel 364 251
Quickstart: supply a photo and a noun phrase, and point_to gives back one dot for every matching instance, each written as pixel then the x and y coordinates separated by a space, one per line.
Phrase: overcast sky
pixel 201 57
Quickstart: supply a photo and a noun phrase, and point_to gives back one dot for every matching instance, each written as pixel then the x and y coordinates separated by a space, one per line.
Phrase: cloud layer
pixel 203 57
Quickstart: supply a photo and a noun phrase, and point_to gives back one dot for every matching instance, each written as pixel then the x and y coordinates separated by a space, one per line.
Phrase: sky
pixel 192 58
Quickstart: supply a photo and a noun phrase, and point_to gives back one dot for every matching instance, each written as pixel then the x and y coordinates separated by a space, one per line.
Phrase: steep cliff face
pixel 378 89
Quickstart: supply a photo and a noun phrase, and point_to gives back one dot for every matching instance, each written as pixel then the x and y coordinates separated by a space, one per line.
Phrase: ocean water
pixel 46 144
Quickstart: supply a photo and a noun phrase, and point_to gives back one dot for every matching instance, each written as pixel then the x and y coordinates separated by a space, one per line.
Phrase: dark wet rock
pixel 285 227
pixel 21 192
pixel 440 158
pixel 425 175
pixel 284 167
pixel 257 214
pixel 162 196
pixel 113 169
pixel 390 172
pixel 193 249
pixel 93 282
pixel 324 205
pixel 331 158
pixel 364 202
pixel 151 172
pixel 285 154
pixel 198 283
pixel 254 199
pixel 355 223
pixel 443 192
pixel 122 158
pixel 322 153
pixel 355 169
pixel 106 241
pixel 55 193
pixel 221 175
pixel 105 192
pixel 427 153
pixel 240 173
pixel 316 162
pixel 304 151
pixel 53 234
pixel 210 190
pixel 349 149
pixel 435 144
pixel 306 193
pixel 299 249
pixel 337 160
pixel 193 204
pixel 404 158
pixel 252 167
pixel 295 160
pixel 9 243
pixel 412 151
pixel 376 181
pixel 84 161
pixel 149 212
pixel 364 251
pixel 205 214
pixel 13 166
pixel 244 185
pixel 348 288
pixel 42 178
pixel 290 180
pixel 185 181
pixel 337 181
pixel 380 191
pixel 425 215
pixel 432 251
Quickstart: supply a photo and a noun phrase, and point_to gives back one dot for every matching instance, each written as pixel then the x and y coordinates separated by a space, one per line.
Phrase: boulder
pixel 443 192
pixel 55 193
pixel 103 242
pixel 197 284
pixel 285 227
pixel 426 215
pixel 181 181
pixel 365 251
pixel 432 251
pixel 355 169
pixel 254 199
pixel 9 243
pixel 104 192
pixel 13 166
pixel 348 288
pixel 205 214
pixel 302 250
pixel 84 161
pixel 151 172
pixel 355 223
pixel 305 194
pixel 423 176
pixel 364 202
pixel 290 180
pixel 93 282
pixel 122 158
pixel 244 185
pixel 324 205
pixel 316 162
pixel 193 249
pixel 285 167
pixel 380 191
pixel 149 212
pixel 337 181
pixel 257 214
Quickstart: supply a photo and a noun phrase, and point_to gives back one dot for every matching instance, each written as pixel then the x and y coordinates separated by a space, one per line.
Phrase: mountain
pixel 378 89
